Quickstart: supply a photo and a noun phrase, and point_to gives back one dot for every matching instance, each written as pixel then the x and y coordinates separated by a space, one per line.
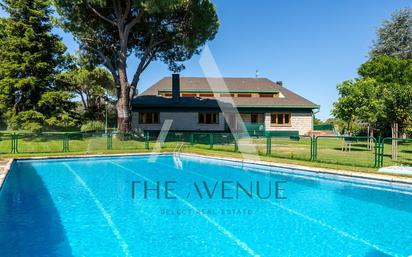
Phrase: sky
pixel 309 45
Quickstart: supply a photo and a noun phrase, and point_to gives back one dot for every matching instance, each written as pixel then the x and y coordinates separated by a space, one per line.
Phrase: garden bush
pixel 92 126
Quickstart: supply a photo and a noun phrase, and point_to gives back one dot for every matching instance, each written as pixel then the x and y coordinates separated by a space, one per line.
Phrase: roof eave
pixel 278 106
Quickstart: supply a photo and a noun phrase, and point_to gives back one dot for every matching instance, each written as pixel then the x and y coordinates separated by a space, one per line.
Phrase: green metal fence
pixel 355 151
pixel 292 147
pixel 6 143
pixel 126 141
pixel 86 142
pixel 400 155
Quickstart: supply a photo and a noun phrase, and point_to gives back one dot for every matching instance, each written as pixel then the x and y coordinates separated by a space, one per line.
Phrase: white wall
pixel 181 121
pixel 301 122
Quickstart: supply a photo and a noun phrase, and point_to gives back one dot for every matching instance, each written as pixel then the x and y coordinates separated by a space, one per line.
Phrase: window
pixel 266 95
pixel 167 94
pixel 189 95
pixel 208 118
pixel 149 118
pixel 253 118
pixel 206 95
pixel 244 95
pixel 280 118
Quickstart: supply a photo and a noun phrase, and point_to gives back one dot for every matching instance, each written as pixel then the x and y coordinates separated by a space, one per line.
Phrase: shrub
pixel 92 126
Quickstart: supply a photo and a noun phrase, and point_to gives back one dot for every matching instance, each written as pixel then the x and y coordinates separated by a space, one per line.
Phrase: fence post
pixel 268 145
pixel 236 138
pixel 311 148
pixel 13 143
pixel 376 153
pixel 211 140
pixel 146 140
pixel 16 143
pixel 315 149
pixel 109 140
pixel 192 138
pixel 381 150
pixel 65 142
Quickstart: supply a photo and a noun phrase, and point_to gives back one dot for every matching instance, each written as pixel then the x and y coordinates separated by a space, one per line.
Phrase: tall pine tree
pixel 30 57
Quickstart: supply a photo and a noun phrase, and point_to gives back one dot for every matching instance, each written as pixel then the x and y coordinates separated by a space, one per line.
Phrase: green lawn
pixel 331 152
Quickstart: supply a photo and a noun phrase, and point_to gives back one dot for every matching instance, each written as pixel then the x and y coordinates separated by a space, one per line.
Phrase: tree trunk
pixel 371 140
pixel 123 104
pixel 348 128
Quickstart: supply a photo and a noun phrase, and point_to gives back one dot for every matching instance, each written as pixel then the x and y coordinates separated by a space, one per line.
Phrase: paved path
pixel 4 167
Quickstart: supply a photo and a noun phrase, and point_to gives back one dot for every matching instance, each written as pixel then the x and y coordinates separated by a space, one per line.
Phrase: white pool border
pixel 384 179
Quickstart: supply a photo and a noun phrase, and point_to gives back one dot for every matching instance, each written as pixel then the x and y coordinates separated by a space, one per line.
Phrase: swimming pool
pixel 140 206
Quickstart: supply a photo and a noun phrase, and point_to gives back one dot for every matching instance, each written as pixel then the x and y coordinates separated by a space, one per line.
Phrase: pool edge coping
pixel 386 178
pixel 5 171
pixel 333 172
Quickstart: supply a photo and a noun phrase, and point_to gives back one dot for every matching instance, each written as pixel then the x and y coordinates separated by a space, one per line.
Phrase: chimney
pixel 280 83
pixel 175 87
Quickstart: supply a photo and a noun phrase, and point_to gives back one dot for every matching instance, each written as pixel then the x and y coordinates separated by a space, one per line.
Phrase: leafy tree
pixel 395 36
pixel 58 108
pixel 394 77
pixel 27 120
pixel 95 88
pixel 359 100
pixel 110 31
pixel 345 107
pixel 30 57
pixel 383 93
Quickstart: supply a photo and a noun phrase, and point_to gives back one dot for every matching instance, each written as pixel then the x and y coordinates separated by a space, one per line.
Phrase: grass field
pixel 332 152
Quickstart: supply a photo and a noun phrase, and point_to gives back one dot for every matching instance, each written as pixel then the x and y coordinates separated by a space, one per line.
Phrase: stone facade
pixel 188 121
pixel 301 122
pixel 182 121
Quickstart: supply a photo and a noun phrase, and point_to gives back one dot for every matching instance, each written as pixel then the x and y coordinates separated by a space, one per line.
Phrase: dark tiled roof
pixel 234 85
pixel 149 101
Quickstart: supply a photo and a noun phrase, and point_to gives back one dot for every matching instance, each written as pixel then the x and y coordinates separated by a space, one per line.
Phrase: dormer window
pixel 244 95
pixel 268 95
pixel 206 95
pixel 189 94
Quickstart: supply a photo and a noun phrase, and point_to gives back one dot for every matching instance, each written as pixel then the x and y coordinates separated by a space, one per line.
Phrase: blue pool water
pixel 88 207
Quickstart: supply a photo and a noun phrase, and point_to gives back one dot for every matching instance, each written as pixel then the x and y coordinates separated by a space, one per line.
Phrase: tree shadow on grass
pixel 30 224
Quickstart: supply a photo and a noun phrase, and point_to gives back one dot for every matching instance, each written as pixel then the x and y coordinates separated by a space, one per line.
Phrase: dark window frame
pixel 244 95
pixel 254 118
pixel 188 94
pixel 276 117
pixel 149 118
pixel 208 118
pixel 267 95
pixel 206 95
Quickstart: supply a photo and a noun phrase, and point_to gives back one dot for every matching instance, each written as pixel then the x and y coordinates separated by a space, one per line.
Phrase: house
pixel 211 104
